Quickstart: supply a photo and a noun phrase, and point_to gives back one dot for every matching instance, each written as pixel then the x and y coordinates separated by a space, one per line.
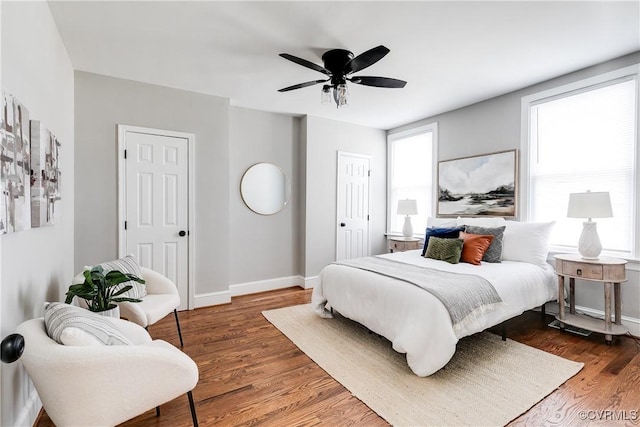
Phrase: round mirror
pixel 265 188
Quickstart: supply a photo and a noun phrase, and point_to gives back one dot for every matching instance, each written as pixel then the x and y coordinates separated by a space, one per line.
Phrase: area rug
pixel 488 381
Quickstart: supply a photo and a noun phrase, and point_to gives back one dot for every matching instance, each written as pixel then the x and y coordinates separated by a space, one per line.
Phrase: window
pixel 411 168
pixel 584 137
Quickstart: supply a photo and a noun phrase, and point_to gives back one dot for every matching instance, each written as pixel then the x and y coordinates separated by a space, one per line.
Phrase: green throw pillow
pixel 448 250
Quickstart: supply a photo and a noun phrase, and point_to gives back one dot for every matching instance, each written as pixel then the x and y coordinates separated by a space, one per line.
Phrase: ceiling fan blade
pixel 378 81
pixel 305 63
pixel 366 59
pixel 301 85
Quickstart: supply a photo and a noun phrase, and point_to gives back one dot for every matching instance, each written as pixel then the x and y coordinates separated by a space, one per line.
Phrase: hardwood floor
pixel 251 374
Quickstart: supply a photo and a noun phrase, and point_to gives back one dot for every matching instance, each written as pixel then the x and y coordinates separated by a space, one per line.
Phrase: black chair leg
pixel 157 411
pixel 178 324
pixel 194 417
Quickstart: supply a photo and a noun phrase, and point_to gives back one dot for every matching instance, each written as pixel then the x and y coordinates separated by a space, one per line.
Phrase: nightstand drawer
pixel 403 245
pixel 580 269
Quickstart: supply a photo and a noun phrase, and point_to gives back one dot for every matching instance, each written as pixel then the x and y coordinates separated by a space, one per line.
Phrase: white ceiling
pixel 451 53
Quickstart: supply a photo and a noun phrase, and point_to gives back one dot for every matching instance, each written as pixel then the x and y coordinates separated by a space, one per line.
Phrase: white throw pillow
pixel 58 317
pixel 488 222
pixel 441 222
pixel 527 241
pixel 127 264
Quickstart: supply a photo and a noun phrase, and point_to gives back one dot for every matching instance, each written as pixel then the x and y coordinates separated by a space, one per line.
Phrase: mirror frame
pixel 251 204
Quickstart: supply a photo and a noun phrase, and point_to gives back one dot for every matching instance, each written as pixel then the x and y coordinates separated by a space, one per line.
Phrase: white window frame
pixel 630 72
pixel 391 138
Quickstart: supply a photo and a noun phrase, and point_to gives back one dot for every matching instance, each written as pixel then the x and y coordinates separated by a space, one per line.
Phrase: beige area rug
pixel 488 381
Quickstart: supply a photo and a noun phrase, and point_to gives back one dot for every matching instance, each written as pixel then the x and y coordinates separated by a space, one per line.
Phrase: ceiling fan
pixel 339 65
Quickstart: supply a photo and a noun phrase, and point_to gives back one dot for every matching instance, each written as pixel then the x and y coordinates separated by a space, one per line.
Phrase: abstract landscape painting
pixel 483 185
pixel 45 181
pixel 15 201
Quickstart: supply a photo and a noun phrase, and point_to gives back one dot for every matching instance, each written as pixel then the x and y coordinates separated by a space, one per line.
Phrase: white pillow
pixel 490 222
pixel 441 222
pixel 88 328
pixel 527 241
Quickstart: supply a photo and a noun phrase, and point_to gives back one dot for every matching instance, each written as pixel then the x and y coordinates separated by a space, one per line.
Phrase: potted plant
pixel 101 291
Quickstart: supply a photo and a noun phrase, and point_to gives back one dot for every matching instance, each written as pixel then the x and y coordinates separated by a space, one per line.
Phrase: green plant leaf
pixel 126 299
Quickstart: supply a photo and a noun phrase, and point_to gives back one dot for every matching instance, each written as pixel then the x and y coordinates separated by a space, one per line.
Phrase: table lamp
pixel 407 207
pixel 589 205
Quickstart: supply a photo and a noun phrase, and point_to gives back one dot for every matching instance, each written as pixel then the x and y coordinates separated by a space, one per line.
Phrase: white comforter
pixel 415 321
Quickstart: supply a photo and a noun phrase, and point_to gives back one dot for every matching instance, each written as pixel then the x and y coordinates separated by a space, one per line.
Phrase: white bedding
pixel 415 321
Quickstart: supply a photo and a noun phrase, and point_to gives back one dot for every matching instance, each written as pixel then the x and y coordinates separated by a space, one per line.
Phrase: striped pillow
pixel 60 318
pixel 128 264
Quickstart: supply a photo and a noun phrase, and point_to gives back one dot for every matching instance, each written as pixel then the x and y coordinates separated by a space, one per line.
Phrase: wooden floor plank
pixel 251 374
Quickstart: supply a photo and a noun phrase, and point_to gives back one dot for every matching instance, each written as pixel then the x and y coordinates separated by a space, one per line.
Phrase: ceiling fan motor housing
pixel 335 60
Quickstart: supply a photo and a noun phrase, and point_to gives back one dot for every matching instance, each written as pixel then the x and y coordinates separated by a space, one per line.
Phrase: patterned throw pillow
pixel 443 249
pixel 494 253
pixel 128 264
pixel 474 247
pixel 443 232
pixel 60 317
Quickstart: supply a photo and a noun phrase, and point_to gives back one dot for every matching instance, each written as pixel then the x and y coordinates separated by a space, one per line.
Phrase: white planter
pixel 114 312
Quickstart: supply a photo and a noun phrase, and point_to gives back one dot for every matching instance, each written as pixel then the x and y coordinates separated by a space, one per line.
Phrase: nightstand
pixel 611 272
pixel 401 244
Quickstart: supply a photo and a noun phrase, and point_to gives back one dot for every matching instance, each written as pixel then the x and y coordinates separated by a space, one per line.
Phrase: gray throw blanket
pixel 465 296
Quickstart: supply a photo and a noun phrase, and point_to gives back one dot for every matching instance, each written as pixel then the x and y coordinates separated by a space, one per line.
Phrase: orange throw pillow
pixel 474 247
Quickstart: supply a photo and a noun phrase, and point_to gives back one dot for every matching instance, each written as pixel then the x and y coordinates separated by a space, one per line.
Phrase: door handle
pixel 182 233
pixel 342 224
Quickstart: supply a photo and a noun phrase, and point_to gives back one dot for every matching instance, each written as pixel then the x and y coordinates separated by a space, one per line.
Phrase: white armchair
pixel 105 385
pixel 162 298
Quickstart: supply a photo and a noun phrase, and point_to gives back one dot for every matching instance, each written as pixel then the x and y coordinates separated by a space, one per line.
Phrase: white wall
pixel 36 264
pixel 494 125
pixel 263 247
pixel 324 138
pixel 104 102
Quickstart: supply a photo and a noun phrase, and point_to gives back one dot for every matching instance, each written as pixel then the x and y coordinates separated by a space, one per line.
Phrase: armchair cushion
pixel 71 325
pixel 128 264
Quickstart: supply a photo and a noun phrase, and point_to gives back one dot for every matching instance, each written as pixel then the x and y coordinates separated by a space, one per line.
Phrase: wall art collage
pixel 29 170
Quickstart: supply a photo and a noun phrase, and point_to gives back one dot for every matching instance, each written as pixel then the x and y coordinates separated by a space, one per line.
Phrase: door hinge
pixel 369 172
pixel 125 225
pixel 367 217
pixel 125 154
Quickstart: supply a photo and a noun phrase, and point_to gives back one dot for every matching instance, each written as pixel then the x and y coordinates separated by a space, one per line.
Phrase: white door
pixel 352 228
pixel 155 227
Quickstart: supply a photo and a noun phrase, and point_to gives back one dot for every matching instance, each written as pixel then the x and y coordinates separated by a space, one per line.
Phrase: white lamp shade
pixel 590 205
pixel 407 207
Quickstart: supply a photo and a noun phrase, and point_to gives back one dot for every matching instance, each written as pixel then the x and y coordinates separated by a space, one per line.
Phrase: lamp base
pixel 589 244
pixel 407 229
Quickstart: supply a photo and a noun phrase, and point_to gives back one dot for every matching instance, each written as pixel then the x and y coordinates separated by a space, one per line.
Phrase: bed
pixel 417 322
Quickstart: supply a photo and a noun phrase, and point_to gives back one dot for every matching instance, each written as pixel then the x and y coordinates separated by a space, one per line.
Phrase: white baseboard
pixel 266 285
pixel 212 298
pixel 631 323
pixel 311 282
pixel 29 413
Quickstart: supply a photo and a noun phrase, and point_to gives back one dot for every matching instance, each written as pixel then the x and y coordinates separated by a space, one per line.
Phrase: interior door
pixel 352 228
pixel 156 220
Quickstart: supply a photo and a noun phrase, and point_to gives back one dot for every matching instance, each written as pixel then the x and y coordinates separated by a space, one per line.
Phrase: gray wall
pixel 36 264
pixel 324 138
pixel 494 125
pixel 263 247
pixel 101 103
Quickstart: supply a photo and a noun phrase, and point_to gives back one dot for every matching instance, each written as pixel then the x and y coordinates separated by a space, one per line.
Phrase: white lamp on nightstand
pixel 589 205
pixel 407 207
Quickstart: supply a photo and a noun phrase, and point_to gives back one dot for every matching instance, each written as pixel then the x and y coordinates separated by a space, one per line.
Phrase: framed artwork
pixel 15 188
pixel 484 185
pixel 45 175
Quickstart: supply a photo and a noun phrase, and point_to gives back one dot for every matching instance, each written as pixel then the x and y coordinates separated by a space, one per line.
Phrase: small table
pixel 611 272
pixel 401 244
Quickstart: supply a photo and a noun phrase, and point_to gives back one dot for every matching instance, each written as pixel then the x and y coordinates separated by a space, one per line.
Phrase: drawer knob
pixel 579 272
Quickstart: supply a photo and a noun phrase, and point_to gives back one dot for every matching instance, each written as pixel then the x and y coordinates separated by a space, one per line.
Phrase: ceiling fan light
pixel 325 94
pixel 342 95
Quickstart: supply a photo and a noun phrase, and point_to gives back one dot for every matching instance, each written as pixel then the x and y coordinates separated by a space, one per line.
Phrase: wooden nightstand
pixel 401 244
pixel 611 272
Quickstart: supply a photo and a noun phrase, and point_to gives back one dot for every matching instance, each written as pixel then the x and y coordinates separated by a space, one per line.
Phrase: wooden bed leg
pixel 504 332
